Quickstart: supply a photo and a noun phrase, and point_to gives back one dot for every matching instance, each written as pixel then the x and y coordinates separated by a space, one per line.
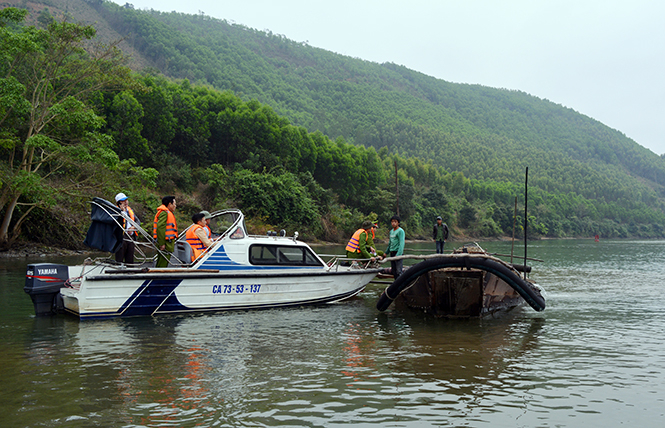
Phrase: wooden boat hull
pixel 458 293
pixel 462 285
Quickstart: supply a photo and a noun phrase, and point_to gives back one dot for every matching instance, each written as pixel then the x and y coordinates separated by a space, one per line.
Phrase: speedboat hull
pixel 121 295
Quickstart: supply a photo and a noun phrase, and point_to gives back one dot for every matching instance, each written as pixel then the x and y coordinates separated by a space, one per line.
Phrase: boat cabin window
pixel 287 255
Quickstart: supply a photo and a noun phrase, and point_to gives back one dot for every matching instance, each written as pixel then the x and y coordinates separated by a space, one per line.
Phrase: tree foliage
pixel 47 127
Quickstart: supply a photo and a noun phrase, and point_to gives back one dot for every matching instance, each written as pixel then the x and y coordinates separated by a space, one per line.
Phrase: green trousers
pixel 168 250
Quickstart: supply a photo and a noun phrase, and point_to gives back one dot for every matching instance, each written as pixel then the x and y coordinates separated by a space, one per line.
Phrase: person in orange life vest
pixel 165 229
pixel 207 226
pixel 197 236
pixel 357 247
pixel 126 252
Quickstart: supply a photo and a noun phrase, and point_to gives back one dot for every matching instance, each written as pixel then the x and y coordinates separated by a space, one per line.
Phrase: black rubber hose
pixel 531 296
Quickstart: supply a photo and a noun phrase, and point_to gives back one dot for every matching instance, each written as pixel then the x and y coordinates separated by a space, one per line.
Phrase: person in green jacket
pixel 165 229
pixel 370 242
pixel 358 247
pixel 396 246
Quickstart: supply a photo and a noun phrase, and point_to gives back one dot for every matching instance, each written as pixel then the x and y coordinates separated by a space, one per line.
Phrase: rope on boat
pixel 385 292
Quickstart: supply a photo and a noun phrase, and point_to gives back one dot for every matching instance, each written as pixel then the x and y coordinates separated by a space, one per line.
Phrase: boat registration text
pixel 237 289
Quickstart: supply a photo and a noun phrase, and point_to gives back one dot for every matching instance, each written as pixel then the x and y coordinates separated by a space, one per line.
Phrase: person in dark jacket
pixel 440 234
pixel 126 252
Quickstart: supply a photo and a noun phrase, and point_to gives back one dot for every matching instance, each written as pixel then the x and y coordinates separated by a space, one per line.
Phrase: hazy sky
pixel 602 58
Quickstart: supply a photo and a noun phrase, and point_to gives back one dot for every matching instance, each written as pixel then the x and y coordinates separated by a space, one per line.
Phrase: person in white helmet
pixel 126 252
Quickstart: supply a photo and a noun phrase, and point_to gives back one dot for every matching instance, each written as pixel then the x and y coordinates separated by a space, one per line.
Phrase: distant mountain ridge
pixel 485 133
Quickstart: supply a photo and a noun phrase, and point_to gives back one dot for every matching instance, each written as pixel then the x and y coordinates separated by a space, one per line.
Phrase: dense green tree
pixel 159 123
pixel 46 125
pixel 125 127
pixel 279 198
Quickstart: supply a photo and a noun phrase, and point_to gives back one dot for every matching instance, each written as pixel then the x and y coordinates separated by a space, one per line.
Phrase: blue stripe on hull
pixel 219 260
pixel 150 296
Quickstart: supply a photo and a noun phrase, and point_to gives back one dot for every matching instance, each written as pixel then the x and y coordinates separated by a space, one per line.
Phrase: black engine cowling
pixel 43 282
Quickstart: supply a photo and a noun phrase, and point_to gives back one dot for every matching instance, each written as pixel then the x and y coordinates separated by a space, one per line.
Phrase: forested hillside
pixel 485 133
pixel 298 136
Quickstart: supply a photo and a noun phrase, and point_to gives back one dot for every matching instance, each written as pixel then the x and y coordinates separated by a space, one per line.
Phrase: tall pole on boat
pixel 512 248
pixel 526 218
pixel 396 188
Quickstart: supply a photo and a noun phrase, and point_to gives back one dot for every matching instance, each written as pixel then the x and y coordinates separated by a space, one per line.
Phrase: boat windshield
pixel 221 222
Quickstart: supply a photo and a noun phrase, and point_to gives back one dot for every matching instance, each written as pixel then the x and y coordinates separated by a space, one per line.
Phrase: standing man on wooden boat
pixel 165 229
pixel 358 247
pixel 440 234
pixel 126 252
pixel 396 246
pixel 197 236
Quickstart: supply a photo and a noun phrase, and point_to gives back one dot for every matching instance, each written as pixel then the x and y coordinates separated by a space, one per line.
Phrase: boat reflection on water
pixel 459 350
pixel 141 371
pixel 326 364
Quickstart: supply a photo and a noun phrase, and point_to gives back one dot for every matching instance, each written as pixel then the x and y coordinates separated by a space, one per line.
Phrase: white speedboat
pixel 239 271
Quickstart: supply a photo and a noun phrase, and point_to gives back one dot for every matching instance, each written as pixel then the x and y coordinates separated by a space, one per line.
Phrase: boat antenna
pixel 526 219
pixel 512 247
pixel 396 188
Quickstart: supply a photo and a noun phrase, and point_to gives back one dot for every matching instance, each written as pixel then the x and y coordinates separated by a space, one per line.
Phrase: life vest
pixel 194 241
pixel 354 243
pixel 171 226
pixel 130 212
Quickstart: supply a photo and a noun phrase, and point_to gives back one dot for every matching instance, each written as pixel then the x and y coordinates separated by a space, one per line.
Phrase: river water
pixel 595 357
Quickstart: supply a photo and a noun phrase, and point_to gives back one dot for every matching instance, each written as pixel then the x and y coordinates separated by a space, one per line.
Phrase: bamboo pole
pixel 396 188
pixel 512 248
pixel 526 217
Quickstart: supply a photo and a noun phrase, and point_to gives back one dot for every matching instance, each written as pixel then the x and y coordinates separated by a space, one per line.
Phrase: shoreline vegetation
pixel 26 249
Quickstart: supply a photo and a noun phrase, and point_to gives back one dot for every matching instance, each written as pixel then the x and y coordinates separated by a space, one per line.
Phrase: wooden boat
pixel 468 283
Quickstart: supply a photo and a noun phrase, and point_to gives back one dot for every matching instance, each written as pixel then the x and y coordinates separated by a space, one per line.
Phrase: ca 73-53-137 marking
pixel 236 289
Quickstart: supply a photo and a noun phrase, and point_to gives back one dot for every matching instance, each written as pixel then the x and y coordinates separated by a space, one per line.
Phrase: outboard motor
pixel 43 282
